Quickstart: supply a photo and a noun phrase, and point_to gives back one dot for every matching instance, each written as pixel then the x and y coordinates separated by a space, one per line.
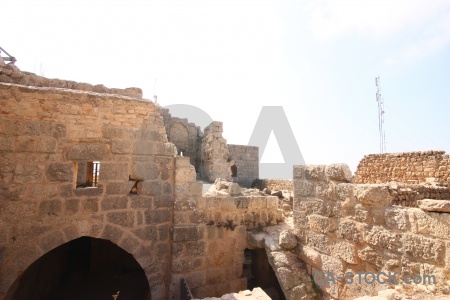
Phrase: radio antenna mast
pixel 380 102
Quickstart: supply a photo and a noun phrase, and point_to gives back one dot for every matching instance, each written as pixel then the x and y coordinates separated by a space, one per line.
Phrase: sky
pixel 316 59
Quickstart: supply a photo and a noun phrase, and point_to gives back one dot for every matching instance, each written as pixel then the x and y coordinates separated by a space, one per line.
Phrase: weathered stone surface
pixel 434 205
pixel 114 202
pixel 28 173
pixel 114 171
pixel 88 152
pixel 234 189
pixel 287 240
pixel 368 194
pixel 60 172
pixel 340 172
pixel 186 233
pixel 122 218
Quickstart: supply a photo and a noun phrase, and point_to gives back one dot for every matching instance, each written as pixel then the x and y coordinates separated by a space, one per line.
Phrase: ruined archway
pixel 179 136
pixel 84 268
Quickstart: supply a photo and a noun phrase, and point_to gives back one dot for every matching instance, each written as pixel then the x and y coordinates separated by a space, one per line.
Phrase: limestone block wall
pixel 347 228
pixel 407 167
pixel 185 136
pixel 210 235
pixel 44 134
pixel 216 159
pixel 274 184
pixel 246 160
pixel 12 74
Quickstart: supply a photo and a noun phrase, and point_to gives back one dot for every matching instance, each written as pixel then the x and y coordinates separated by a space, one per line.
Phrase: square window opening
pixel 87 174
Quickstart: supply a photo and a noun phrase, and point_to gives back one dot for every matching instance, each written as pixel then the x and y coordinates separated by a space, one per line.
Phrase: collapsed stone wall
pixel 245 159
pixel 216 159
pixel 274 184
pixel 10 73
pixel 406 167
pixel 210 233
pixel 185 136
pixel 347 228
pixel 44 134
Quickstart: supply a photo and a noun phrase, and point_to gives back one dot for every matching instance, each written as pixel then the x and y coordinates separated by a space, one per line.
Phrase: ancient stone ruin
pixel 100 194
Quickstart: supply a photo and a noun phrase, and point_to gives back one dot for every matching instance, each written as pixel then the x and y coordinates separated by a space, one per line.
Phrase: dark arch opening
pixel 85 268
pixel 233 171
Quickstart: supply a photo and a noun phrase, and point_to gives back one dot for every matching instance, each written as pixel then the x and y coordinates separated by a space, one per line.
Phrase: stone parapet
pixel 406 167
pixel 12 74
pixel 344 228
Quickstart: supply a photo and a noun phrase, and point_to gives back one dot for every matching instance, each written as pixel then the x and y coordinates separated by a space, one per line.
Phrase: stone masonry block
pixel 37 128
pixel 339 172
pixel 114 171
pixel 28 173
pixel 46 144
pixel 186 233
pixel 60 172
pixel 87 152
pixel 6 143
pixel 121 146
pixel 119 188
pixel 372 194
pixel 144 171
pixel 122 218
pixel 434 205
pixel 143 147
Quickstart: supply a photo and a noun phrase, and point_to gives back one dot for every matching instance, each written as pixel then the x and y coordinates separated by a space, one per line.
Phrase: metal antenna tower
pixel 380 102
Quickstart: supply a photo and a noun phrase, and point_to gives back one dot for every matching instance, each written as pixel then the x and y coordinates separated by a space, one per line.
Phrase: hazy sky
pixel 317 59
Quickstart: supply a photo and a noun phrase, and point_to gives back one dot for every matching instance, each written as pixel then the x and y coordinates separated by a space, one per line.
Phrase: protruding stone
pixel 287 240
pixel 434 205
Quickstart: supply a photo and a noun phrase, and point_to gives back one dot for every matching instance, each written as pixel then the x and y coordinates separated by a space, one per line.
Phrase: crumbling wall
pixel 345 228
pixel 274 184
pixel 185 136
pixel 45 133
pixel 216 159
pixel 245 158
pixel 12 74
pixel 210 233
pixel 406 167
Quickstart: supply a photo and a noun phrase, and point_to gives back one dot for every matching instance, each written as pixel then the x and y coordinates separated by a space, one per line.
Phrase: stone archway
pixel 179 136
pixel 84 268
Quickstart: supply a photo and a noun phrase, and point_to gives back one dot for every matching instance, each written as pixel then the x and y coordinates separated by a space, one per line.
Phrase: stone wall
pixel 344 228
pixel 216 159
pixel 245 159
pixel 406 167
pixel 44 134
pixel 12 74
pixel 210 234
pixel 274 184
pixel 185 136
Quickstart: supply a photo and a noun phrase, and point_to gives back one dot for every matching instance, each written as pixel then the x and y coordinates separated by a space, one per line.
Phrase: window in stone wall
pixel 87 174
pixel 233 171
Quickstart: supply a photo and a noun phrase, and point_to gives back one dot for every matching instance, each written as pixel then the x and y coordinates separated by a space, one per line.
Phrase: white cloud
pixel 332 19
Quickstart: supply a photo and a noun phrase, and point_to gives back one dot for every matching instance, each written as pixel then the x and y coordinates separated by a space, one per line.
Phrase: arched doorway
pixel 234 171
pixel 85 268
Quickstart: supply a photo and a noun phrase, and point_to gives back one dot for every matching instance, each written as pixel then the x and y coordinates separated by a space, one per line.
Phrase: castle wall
pixel 245 158
pixel 345 228
pixel 12 74
pixel 216 159
pixel 274 184
pixel 185 136
pixel 210 234
pixel 45 133
pixel 407 167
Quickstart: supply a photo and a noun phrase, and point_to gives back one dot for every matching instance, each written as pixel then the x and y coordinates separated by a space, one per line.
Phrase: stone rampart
pixel 12 74
pixel 345 228
pixel 406 167
pixel 45 134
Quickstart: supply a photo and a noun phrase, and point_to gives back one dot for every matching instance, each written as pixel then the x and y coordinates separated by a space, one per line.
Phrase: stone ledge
pixel 434 205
